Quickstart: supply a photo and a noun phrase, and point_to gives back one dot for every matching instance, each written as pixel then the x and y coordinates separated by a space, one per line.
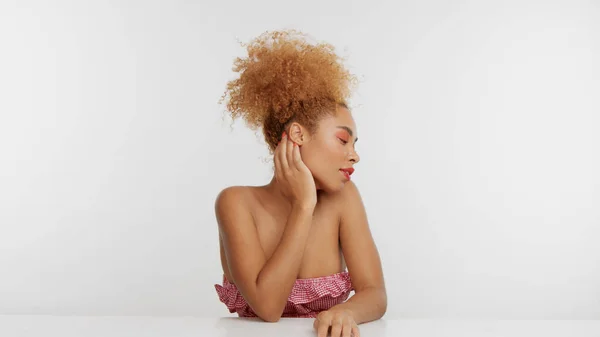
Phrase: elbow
pixel 265 305
pixel 383 310
pixel 270 318
pixel 379 302
pixel 269 313
pixel 382 304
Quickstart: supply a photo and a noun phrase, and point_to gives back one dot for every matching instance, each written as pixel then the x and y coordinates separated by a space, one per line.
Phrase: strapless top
pixel 308 297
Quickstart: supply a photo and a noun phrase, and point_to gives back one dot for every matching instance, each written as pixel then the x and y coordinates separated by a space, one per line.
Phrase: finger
pixel 347 328
pixel 297 158
pixel 290 153
pixel 355 330
pixel 283 154
pixel 323 327
pixel 277 161
pixel 336 328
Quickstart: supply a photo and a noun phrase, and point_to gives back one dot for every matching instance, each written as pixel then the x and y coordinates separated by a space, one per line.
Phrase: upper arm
pixel 358 246
pixel 244 254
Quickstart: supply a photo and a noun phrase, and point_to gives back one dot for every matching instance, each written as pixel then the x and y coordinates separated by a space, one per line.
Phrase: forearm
pixel 277 277
pixel 366 305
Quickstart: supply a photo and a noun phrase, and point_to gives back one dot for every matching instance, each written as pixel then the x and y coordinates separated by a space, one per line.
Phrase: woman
pixel 285 245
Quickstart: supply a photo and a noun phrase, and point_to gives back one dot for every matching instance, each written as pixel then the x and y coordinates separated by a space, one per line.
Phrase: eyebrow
pixel 349 131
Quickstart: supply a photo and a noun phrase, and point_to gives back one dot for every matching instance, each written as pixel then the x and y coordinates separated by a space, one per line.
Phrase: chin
pixel 331 186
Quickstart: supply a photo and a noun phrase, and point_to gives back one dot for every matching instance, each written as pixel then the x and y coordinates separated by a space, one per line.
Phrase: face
pixel 329 152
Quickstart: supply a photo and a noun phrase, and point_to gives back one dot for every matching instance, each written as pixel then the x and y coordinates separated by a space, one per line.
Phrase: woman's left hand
pixel 340 322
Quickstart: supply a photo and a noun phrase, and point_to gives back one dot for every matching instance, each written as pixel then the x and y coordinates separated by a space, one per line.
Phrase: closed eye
pixel 343 141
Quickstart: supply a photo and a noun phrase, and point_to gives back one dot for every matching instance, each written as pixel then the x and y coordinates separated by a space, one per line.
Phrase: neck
pixel 274 188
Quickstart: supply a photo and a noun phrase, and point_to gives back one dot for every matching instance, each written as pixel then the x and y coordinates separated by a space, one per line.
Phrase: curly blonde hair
pixel 284 78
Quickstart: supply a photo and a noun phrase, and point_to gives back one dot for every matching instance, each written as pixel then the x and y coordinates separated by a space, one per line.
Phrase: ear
pixel 297 133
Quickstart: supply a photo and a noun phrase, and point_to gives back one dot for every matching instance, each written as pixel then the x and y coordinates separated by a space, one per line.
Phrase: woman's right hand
pixel 296 180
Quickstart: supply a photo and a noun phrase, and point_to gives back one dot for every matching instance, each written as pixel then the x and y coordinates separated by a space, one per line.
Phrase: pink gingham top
pixel 308 297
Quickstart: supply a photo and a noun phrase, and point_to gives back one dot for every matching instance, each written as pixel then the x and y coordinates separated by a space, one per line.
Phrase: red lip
pixel 349 170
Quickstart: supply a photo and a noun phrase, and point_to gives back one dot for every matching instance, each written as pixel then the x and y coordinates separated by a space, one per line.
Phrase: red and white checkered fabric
pixel 308 297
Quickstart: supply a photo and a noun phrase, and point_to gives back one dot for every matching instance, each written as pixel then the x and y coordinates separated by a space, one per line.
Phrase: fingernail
pixel 284 135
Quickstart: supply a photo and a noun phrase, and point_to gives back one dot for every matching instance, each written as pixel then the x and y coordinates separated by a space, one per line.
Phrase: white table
pixel 115 326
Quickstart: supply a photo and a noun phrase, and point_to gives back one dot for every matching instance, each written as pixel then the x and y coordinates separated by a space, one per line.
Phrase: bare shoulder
pixel 229 196
pixel 232 202
pixel 350 190
pixel 231 193
pixel 346 198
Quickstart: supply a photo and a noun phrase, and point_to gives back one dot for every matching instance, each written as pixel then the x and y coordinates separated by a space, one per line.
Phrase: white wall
pixel 480 153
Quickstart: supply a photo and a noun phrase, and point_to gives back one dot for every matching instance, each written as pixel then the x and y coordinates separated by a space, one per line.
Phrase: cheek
pixel 325 168
pixel 323 156
pixel 329 155
pixel 316 159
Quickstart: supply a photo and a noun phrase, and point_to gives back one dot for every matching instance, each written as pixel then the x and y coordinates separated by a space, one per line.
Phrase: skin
pixel 268 241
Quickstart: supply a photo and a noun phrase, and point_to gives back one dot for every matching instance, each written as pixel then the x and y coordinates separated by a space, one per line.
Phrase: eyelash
pixel 343 141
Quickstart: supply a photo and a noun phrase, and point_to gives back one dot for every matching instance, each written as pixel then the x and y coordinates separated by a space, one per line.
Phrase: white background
pixel 478 124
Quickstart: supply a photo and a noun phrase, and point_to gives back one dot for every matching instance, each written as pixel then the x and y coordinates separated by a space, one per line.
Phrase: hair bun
pixel 284 76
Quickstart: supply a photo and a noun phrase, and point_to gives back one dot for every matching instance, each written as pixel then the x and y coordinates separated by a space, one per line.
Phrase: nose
pixel 354 157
